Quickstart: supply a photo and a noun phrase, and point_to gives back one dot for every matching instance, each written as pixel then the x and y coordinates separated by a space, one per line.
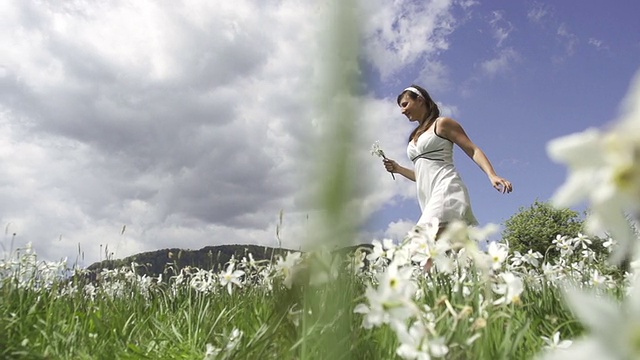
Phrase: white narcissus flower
pixel 498 254
pixel 510 289
pixel 563 244
pixel 287 267
pixel 376 150
pixel 554 342
pixel 231 277
pixel 392 301
pixel 397 280
pixel 597 279
pixel 211 352
pixel 234 339
pixel 614 327
pixel 605 170
pixel 582 240
pixel 441 260
pixel 532 257
pixel 464 237
pixel 414 342
pixel 383 308
pixel 381 251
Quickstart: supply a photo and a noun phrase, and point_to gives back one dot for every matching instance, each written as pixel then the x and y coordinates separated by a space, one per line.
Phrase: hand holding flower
pixel 376 150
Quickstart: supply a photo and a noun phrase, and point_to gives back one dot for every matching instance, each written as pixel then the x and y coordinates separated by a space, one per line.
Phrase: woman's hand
pixel 501 184
pixel 391 165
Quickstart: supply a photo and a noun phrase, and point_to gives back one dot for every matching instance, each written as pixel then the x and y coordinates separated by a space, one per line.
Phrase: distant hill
pixel 157 262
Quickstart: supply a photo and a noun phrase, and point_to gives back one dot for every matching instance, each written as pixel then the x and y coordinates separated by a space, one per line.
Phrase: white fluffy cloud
pixel 399 33
pixel 185 124
pixel 500 63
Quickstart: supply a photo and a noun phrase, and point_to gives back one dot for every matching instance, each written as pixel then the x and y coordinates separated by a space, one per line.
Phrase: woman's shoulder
pixel 446 127
pixel 446 123
pixel 446 119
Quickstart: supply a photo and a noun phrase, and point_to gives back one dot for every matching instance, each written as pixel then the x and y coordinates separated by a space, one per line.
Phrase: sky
pixel 136 126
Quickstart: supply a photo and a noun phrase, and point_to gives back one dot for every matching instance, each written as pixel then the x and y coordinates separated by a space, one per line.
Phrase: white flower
pixel 510 289
pixel 384 308
pixel 287 267
pixel 582 240
pixel 230 277
pixel 376 150
pixel 614 327
pixel 391 302
pixel 605 170
pixel 563 244
pixel 464 237
pixel 381 251
pixel 234 339
pixel 498 254
pixel 397 280
pixel 415 344
pixel 211 352
pixel 596 278
pixel 609 244
pixel 532 257
pixel 554 342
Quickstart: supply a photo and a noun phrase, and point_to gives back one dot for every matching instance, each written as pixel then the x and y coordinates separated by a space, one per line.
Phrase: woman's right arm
pixel 394 167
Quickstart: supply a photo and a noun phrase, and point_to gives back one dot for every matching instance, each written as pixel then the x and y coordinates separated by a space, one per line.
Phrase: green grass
pixel 129 319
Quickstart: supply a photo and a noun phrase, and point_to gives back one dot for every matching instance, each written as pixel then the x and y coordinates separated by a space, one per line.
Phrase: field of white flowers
pixel 472 304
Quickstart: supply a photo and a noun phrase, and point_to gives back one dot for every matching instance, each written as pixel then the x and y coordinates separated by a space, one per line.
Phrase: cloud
pixel 500 27
pixel 398 230
pixel 189 125
pixel 397 34
pixel 539 12
pixel 501 63
pixel 597 44
pixel 184 123
pixel 435 75
pixel 568 40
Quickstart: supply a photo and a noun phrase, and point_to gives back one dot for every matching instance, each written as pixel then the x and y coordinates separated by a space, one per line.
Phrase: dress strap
pixel 428 155
pixel 435 130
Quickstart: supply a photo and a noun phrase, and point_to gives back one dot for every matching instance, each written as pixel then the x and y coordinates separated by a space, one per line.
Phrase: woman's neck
pixel 424 124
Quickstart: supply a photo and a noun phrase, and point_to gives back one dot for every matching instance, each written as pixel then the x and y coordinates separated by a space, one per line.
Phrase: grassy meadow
pixel 368 305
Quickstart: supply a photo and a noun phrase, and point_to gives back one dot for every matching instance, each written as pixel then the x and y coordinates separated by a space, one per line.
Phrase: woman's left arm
pixel 452 130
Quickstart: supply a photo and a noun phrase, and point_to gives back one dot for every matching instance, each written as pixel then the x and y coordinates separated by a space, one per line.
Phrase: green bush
pixel 537 226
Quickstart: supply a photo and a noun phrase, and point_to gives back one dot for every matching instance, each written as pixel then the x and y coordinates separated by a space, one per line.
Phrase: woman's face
pixel 414 110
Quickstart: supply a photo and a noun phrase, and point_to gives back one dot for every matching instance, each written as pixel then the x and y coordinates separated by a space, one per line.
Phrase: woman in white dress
pixel 441 192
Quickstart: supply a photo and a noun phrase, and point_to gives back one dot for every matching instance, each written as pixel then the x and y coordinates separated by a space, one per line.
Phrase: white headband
pixel 414 90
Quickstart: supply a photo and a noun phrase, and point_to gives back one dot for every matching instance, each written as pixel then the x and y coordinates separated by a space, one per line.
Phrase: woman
pixel 441 192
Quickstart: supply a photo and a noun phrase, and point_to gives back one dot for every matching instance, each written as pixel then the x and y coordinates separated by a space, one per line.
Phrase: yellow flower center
pixel 625 176
pixel 393 283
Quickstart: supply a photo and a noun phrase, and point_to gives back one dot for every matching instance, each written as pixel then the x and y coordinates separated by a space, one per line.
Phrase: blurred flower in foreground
pixel 554 342
pixel 376 150
pixel 288 267
pixel 614 327
pixel 605 169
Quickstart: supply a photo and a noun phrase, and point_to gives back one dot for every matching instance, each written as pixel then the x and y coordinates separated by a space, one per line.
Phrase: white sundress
pixel 441 192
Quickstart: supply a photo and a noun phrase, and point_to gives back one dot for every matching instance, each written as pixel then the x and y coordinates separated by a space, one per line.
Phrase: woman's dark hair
pixel 433 112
